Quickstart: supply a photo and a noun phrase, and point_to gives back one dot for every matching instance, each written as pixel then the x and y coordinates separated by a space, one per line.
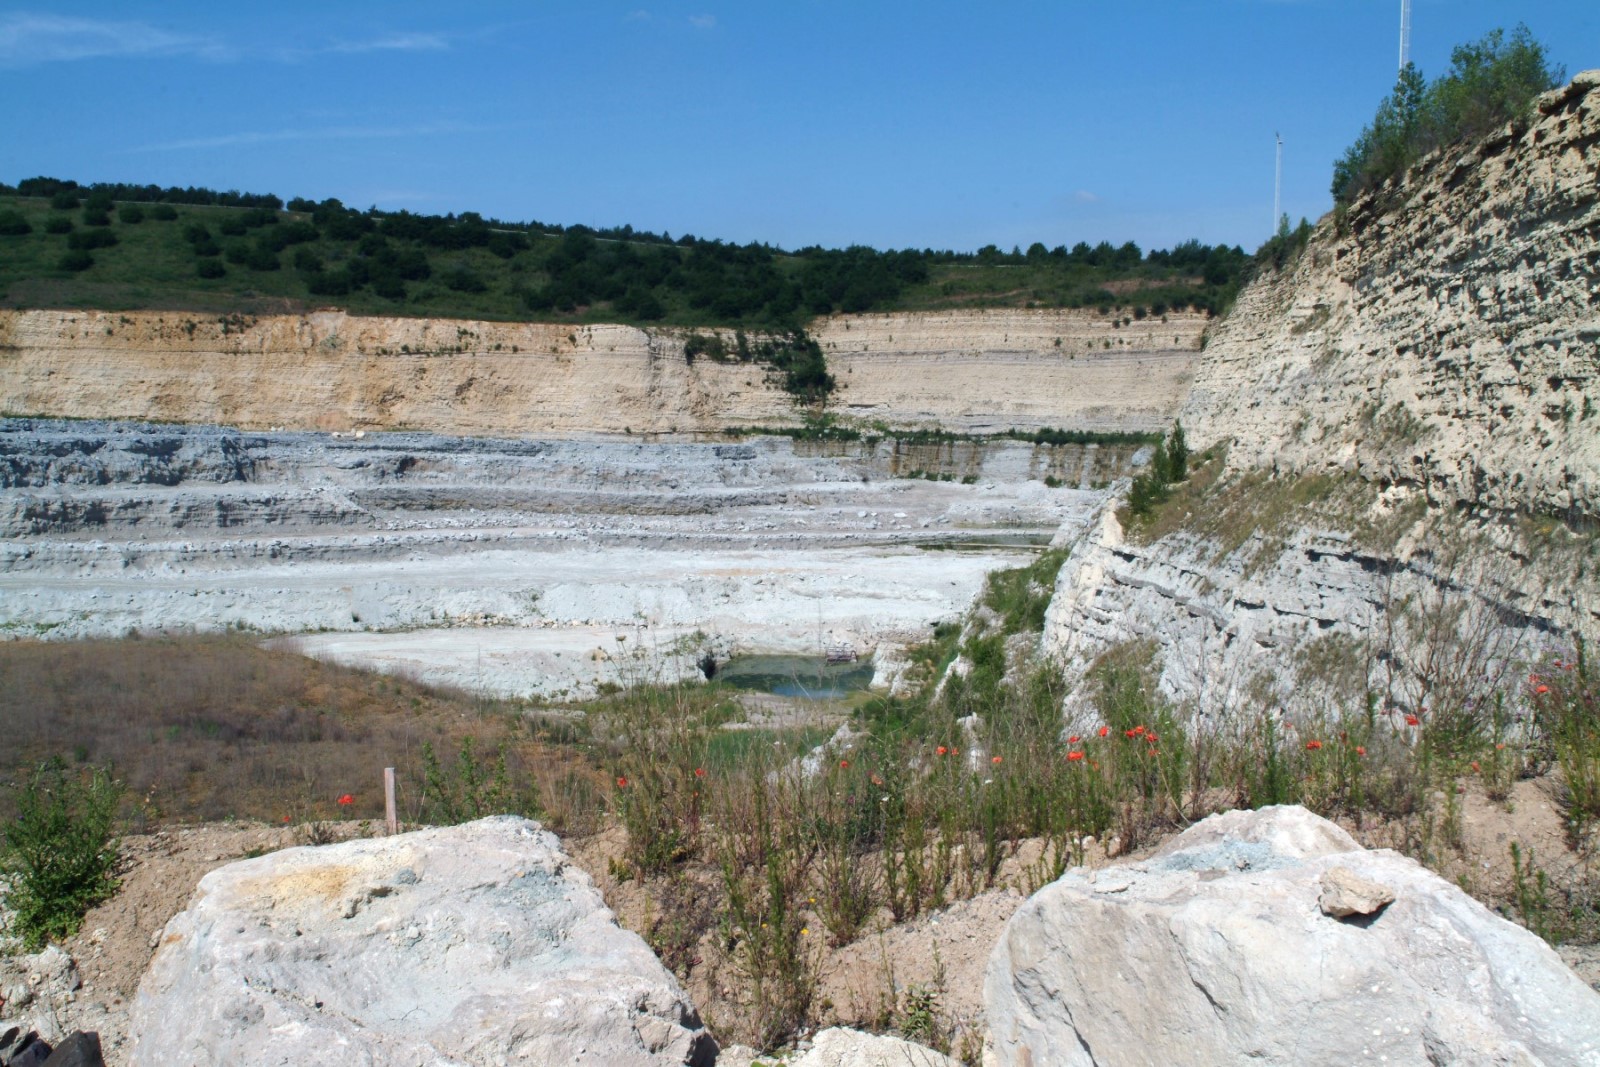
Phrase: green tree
pixel 60 850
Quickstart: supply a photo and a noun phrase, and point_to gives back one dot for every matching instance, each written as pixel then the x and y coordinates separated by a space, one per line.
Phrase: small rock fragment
pixel 1345 893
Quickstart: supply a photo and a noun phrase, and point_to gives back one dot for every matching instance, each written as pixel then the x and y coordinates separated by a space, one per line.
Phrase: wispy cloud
pixel 394 42
pixel 327 133
pixel 30 39
pixel 1084 196
pixel 703 22
pixel 637 15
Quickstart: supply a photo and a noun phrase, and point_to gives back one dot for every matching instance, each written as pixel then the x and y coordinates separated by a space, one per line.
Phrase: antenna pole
pixel 1405 33
pixel 1277 187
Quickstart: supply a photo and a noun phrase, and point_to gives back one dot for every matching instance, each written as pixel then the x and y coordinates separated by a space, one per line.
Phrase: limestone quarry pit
pixel 520 567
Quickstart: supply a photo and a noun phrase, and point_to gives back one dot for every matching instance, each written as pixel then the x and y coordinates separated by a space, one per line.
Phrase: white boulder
pixel 839 1047
pixel 472 944
pixel 1220 950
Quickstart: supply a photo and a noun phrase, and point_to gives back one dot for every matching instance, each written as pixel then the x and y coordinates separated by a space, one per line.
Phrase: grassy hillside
pixel 124 247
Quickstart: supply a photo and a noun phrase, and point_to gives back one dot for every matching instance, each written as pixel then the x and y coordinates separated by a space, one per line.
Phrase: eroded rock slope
pixel 1410 416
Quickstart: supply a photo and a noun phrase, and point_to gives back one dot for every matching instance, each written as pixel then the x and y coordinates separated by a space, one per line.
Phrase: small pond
pixel 803 677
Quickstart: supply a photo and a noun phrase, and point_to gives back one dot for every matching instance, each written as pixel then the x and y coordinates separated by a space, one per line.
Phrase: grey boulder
pixel 472 944
pixel 1220 950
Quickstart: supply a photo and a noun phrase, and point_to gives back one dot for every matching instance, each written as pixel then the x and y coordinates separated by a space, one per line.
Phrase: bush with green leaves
pixel 60 850
pixel 12 224
pixel 1490 82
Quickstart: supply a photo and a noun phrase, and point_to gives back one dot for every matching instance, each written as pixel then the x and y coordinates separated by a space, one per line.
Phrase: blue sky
pixel 926 124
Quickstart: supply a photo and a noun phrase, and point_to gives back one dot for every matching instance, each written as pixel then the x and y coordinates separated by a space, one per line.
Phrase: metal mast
pixel 1277 186
pixel 1405 33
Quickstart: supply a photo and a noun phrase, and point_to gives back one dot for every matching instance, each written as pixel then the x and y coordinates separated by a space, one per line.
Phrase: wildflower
pixel 1129 733
pixel 1104 730
pixel 1151 736
pixel 805 931
pixel 942 750
pixel 1475 766
pixel 286 818
pixel 1073 739
pixel 1498 747
pixel 1312 746
pixel 1542 690
pixel 955 752
pixel 1074 756
pixel 1138 731
pixel 876 780
pixel 699 772
pixel 1412 720
pixel 994 759
pixel 1361 750
pixel 346 800
pixel 844 764
pixel 622 783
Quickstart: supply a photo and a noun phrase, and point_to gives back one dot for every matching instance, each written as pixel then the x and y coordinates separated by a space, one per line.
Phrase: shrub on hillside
pixel 12 224
pixel 210 268
pixel 60 851
pixel 75 260
pixel 1490 82
pixel 58 224
pixel 130 214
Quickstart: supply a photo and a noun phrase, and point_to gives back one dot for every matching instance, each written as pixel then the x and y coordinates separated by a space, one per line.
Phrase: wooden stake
pixel 388 802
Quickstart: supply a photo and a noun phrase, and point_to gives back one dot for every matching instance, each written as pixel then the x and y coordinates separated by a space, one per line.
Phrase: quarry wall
pixel 975 370
pixel 1412 412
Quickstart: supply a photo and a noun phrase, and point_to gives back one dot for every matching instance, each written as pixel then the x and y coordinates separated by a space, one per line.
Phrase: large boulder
pixel 1272 937
pixel 840 1047
pixel 472 944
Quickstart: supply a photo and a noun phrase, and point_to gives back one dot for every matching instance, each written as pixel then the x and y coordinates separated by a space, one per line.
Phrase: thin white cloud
pixel 395 42
pixel 331 133
pixel 1084 196
pixel 29 39
pixel 639 15
pixel 703 22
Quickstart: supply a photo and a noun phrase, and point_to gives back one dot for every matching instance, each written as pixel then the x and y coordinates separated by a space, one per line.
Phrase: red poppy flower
pixel 942 750
pixel 622 783
pixel 1543 689
pixel 994 759
pixel 1104 730
pixel 1475 766
pixel 1074 756
pixel 844 763
pixel 699 772
pixel 955 752
pixel 286 818
pixel 1412 720
pixel 1129 733
pixel 1313 745
pixel 1360 750
pixel 347 800
pixel 1074 739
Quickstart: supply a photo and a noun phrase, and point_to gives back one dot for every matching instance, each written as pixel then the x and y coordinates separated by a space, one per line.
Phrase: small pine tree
pixel 1177 454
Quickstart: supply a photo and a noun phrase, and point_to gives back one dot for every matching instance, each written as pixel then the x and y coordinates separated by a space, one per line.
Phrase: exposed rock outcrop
pixel 1218 950
pixel 839 1047
pixel 475 944
pixel 973 370
pixel 1444 333
pixel 1411 418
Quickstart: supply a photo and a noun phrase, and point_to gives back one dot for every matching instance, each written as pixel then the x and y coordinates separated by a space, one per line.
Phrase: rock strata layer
pixel 973 371
pixel 475 944
pixel 1217 951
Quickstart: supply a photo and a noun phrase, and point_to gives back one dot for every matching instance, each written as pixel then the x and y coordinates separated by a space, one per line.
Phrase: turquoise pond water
pixel 802 677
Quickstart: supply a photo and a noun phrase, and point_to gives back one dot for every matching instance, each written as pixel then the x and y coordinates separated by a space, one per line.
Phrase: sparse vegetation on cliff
pixel 1490 82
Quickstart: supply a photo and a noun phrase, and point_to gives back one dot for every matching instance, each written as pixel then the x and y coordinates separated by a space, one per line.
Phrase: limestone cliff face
pixel 1411 419
pixel 989 370
pixel 1451 342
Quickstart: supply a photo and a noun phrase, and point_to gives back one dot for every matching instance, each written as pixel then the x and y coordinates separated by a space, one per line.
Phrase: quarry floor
pixel 520 568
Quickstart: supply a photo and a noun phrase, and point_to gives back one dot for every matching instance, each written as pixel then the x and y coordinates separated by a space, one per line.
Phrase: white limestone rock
pixel 1216 951
pixel 473 944
pixel 839 1047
